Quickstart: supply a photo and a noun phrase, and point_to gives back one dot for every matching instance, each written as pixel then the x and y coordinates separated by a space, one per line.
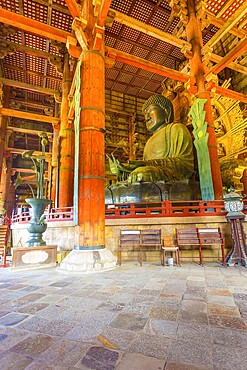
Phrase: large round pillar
pixel 198 71
pixel 66 166
pixel 91 212
pixel 89 252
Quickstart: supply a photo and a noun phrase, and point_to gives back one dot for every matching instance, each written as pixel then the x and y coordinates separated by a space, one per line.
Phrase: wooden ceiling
pixel 145 44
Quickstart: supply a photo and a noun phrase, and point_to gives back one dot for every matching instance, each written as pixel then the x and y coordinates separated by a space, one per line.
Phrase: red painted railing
pixel 51 215
pixel 166 208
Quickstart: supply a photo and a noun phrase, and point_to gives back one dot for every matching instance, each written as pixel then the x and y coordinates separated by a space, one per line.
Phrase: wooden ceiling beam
pixel 35 27
pixel 9 66
pixel 231 94
pixel 151 31
pixel 30 51
pixel 220 23
pixel 28 116
pixel 104 9
pixel 225 27
pixel 146 65
pixel 74 8
pixel 24 86
pixel 239 49
pixel 28 131
pixel 234 66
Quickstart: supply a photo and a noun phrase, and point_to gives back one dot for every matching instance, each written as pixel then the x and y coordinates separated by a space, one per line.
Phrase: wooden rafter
pixel 239 49
pixel 146 65
pixel 28 116
pixel 30 25
pixel 74 8
pixel 105 6
pixel 24 86
pixel 227 26
pixel 28 131
pixel 149 30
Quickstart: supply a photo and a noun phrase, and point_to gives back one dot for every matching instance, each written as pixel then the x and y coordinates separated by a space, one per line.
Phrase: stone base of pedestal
pixel 27 258
pixel 88 261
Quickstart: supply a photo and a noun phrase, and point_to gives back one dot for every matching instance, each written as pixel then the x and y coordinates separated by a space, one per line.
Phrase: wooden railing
pixel 166 209
pixel 51 215
pixel 140 210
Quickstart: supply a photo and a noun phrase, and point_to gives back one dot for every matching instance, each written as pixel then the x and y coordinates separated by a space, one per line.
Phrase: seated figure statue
pixel 168 153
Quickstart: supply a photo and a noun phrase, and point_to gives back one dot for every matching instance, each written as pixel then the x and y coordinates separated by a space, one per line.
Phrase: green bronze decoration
pixel 37 225
pixel 77 98
pixel 201 143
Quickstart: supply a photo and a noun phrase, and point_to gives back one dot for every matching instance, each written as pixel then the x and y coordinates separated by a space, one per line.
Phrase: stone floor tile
pixel 136 361
pixel 11 336
pixel 191 352
pixel 99 358
pixel 32 308
pixel 177 366
pixel 32 297
pixel 116 338
pixel 227 322
pixel 229 358
pixel 164 313
pixel 34 345
pixel 40 325
pixel 223 310
pixel 161 327
pixel 195 332
pixel 150 346
pixel 11 360
pixel 64 353
pixel 129 322
pixel 199 318
pixel 196 306
pixel 229 337
pixel 12 319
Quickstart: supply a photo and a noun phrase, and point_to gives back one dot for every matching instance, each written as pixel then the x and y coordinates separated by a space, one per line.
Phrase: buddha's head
pixel 158 111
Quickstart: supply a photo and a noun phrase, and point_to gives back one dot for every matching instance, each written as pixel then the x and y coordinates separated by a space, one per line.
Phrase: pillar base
pixel 87 261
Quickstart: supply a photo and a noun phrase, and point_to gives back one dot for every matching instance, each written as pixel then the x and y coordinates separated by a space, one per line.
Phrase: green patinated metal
pixel 77 139
pixel 201 143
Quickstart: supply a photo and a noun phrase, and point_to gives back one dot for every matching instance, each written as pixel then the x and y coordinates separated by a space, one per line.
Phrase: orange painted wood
pixel 54 161
pixel 30 25
pixel 198 71
pixel 91 213
pixel 66 166
pixel 73 8
pixel 239 49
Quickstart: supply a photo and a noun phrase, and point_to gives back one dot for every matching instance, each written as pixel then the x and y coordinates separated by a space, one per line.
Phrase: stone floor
pixel 131 318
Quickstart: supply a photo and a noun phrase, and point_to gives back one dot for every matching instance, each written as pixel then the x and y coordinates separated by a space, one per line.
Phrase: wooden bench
pixel 139 241
pixel 198 238
pixel 150 240
pixel 130 240
pixel 211 237
pixel 3 244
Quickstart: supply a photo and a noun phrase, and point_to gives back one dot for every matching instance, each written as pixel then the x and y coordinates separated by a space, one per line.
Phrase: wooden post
pixel 198 71
pixel 91 184
pixel 66 168
pixel 54 162
pixel 3 124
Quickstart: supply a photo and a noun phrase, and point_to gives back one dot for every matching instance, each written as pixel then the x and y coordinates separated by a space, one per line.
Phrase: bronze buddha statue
pixel 168 153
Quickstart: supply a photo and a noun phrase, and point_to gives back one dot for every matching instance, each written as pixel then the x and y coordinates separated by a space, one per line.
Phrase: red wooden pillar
pixel 54 164
pixel 194 36
pixel 66 167
pixel 3 124
pixel 91 182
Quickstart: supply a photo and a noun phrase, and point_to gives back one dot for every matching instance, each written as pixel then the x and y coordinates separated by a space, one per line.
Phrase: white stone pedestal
pixel 88 261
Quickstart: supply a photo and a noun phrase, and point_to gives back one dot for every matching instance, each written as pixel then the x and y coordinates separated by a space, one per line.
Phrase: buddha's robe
pixel 170 151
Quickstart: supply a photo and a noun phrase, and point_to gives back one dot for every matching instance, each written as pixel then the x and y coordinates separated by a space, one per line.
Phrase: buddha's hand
pixel 145 174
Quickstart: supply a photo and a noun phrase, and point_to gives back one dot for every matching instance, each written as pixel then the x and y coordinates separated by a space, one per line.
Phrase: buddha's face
pixel 154 117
